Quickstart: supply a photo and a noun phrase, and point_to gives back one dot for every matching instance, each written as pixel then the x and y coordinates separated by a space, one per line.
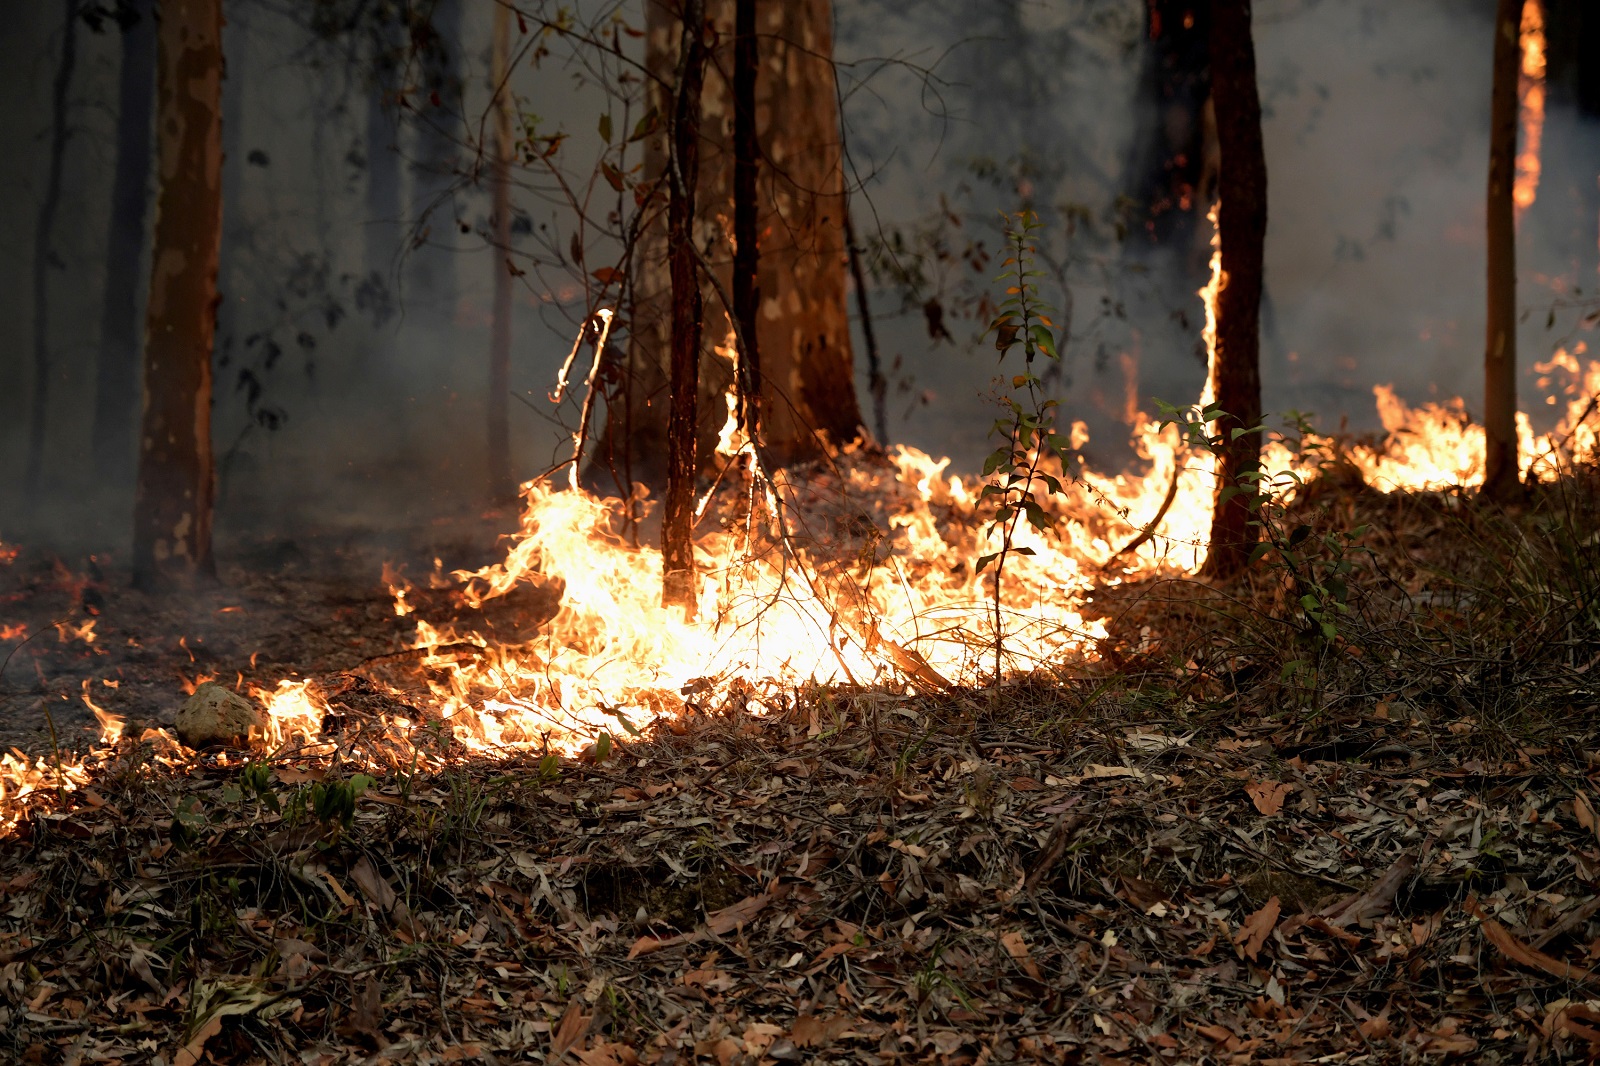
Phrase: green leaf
pixel 984 561
pixel 605 127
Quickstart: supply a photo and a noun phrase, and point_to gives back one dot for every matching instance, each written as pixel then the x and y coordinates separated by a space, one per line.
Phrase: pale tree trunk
pixel 43 254
pixel 501 485
pixel 1501 481
pixel 1242 231
pixel 677 521
pixel 117 365
pixel 176 479
pixel 808 398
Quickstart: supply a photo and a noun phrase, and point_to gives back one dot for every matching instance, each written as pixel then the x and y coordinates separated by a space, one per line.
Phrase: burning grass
pixel 527 811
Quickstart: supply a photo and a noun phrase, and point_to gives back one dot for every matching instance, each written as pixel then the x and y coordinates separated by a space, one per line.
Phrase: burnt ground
pixel 1234 841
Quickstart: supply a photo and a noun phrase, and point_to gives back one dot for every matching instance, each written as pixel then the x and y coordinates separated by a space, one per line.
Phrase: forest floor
pixel 1190 855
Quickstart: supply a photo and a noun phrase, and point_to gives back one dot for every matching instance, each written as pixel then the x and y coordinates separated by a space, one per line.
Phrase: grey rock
pixel 217 717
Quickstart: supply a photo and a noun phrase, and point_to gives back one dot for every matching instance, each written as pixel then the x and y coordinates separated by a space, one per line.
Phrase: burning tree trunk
pixel 42 252
pixel 1242 230
pixel 501 485
pixel 677 526
pixel 807 383
pixel 1500 475
pixel 117 363
pixel 176 482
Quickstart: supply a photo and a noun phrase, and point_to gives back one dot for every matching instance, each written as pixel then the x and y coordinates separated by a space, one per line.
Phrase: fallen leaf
pixel 1256 928
pixel 1521 953
pixel 811 1031
pixel 569 1030
pixel 1017 948
pixel 1268 796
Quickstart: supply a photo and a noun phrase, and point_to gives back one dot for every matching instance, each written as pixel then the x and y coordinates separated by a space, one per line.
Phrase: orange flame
pixel 1530 92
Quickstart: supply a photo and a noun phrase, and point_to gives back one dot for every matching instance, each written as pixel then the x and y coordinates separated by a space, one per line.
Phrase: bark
pixel 746 207
pixel 431 266
pixel 42 253
pixel 176 479
pixel 808 399
pixel 1501 481
pixel 117 364
pixel 1242 230
pixel 501 486
pixel 677 524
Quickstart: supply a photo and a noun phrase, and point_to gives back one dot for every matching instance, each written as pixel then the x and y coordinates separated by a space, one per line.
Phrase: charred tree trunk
pixel 43 255
pixel 677 523
pixel 1242 231
pixel 746 207
pixel 808 399
pixel 1501 481
pixel 176 479
pixel 438 124
pixel 117 364
pixel 501 486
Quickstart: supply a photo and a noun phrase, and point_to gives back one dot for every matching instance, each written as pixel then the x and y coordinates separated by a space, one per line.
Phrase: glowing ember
pixel 1530 92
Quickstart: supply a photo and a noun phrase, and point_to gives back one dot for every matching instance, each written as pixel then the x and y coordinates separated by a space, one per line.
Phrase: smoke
pixel 356 402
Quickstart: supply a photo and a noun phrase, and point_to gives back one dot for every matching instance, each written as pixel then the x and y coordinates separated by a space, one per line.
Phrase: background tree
pixel 1242 232
pixel 1501 480
pixel 176 478
pixel 117 363
pixel 43 257
pixel 807 381
pixel 387 54
pixel 437 43
pixel 502 486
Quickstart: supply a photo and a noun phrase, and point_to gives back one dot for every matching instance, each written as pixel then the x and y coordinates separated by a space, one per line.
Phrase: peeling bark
pixel 176 484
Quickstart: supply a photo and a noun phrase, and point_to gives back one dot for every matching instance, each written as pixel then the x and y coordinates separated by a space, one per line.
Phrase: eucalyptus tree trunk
pixel 501 485
pixel 677 521
pixel 1501 481
pixel 1242 231
pixel 808 399
pixel 383 151
pixel 43 255
pixel 176 479
pixel 117 363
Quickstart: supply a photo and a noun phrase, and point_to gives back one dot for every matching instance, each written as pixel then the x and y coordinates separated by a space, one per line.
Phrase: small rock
pixel 215 716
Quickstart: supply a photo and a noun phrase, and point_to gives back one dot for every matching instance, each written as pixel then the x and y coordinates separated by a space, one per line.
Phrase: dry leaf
pixel 1017 948
pixel 573 1025
pixel 1521 953
pixel 1583 810
pixel 1268 796
pixel 811 1031
pixel 1256 928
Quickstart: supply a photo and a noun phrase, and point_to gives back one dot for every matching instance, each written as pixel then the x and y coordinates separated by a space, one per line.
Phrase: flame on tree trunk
pixel 677 526
pixel 1500 480
pixel 176 483
pixel 807 381
pixel 502 487
pixel 1242 230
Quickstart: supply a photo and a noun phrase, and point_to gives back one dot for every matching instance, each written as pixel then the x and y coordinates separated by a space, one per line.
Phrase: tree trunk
pixel 1242 231
pixel 431 266
pixel 176 479
pixel 677 523
pixel 746 208
pixel 383 153
pixel 43 256
pixel 1501 480
pixel 117 365
pixel 808 398
pixel 501 486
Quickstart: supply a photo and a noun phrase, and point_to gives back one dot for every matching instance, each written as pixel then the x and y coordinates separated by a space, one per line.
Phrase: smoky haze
pixel 355 402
